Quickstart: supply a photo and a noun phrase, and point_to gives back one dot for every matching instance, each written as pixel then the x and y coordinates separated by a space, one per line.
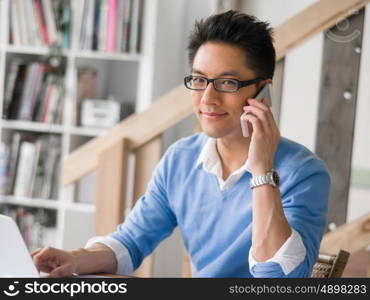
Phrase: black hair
pixel 237 29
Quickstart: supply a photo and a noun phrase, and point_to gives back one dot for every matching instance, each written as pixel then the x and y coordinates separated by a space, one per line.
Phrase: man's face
pixel 219 113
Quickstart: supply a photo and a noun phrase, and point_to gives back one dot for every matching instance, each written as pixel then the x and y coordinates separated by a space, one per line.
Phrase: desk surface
pixel 101 275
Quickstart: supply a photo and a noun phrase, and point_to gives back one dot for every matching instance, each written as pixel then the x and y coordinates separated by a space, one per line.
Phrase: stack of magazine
pixel 33 93
pixel 40 22
pixel 110 25
pixel 30 166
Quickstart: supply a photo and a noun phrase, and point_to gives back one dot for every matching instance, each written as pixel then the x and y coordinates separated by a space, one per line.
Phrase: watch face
pixel 276 178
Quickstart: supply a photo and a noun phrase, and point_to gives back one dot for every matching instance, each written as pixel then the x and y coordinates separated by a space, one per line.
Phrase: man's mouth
pixel 213 115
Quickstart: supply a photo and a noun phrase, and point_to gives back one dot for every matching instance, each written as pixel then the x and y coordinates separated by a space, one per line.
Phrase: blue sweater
pixel 217 225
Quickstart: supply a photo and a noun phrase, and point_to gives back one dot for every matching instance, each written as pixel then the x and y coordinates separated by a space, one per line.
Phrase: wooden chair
pixel 329 265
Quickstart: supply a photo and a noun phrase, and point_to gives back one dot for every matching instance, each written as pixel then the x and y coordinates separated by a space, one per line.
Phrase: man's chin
pixel 213 133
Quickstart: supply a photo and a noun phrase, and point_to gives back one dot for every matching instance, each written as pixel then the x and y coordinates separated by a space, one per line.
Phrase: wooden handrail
pixel 316 18
pixel 176 105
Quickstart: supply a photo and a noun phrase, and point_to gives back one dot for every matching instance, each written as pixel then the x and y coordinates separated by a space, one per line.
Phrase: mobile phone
pixel 265 92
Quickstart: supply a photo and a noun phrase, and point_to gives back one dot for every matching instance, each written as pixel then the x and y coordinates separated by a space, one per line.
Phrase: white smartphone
pixel 265 92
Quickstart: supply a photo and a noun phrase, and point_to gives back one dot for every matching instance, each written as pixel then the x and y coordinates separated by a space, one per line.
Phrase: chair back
pixel 330 265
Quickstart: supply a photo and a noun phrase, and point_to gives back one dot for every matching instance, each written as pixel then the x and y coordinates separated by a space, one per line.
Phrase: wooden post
pixel 337 110
pixel 111 185
pixel 147 157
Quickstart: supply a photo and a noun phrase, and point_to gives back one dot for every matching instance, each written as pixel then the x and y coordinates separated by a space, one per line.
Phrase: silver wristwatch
pixel 271 177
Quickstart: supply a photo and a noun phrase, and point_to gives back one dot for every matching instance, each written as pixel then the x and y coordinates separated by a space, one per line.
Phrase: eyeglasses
pixel 224 85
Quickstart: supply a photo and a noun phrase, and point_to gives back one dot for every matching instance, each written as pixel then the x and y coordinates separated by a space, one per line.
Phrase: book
pixel 27 91
pixel 14 24
pixel 126 24
pixel 51 163
pixel 96 25
pixel 32 30
pixel 119 26
pixel 13 161
pixel 31 90
pixel 50 22
pixel 103 25
pixel 90 25
pixel 4 166
pixel 134 29
pixel 41 166
pixel 13 105
pixel 38 108
pixel 82 37
pixel 111 31
pixel 46 100
pixel 54 98
pixel 10 84
pixel 26 164
pixel 21 19
pixel 35 91
pixel 66 24
pixel 41 22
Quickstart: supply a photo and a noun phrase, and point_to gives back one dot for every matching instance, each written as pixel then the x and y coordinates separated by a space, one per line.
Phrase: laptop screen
pixel 15 260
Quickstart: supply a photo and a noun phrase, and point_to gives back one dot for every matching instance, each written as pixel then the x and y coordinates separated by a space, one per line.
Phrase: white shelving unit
pixel 119 74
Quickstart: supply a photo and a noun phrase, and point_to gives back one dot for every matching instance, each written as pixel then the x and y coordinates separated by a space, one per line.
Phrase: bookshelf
pixel 68 212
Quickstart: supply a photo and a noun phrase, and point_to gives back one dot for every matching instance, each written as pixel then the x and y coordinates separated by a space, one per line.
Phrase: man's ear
pixel 262 83
pixel 266 81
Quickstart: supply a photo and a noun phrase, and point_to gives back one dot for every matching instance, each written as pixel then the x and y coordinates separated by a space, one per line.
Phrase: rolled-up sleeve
pixel 124 262
pixel 289 256
pixel 305 204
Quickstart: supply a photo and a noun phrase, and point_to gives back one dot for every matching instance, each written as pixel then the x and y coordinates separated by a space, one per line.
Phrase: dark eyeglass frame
pixel 240 83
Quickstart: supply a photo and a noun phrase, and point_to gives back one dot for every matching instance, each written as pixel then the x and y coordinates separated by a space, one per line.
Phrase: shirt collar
pixel 211 160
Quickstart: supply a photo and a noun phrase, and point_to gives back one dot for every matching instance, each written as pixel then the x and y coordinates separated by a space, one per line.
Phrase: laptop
pixel 15 260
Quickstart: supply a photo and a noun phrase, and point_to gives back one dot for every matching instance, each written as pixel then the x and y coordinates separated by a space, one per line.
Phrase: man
pixel 221 188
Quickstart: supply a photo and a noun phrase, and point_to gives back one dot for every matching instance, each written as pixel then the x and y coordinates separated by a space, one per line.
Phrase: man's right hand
pixel 98 258
pixel 56 262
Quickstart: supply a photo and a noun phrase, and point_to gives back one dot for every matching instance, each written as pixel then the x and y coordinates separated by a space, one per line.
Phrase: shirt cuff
pixel 289 256
pixel 124 262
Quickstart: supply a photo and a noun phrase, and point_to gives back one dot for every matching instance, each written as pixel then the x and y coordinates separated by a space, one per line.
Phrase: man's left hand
pixel 264 138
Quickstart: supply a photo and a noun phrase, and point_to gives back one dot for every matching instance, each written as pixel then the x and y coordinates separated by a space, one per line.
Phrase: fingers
pixel 36 252
pixel 62 271
pixel 260 114
pixel 256 124
pixel 260 104
pixel 46 259
pixel 263 112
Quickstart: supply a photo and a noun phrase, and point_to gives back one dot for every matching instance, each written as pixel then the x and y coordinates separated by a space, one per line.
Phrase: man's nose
pixel 210 95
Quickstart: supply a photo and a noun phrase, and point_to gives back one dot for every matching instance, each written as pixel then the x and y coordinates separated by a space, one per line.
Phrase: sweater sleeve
pixel 305 204
pixel 151 220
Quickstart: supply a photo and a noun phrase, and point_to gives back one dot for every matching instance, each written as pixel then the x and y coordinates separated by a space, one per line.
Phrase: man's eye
pixel 228 82
pixel 198 80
